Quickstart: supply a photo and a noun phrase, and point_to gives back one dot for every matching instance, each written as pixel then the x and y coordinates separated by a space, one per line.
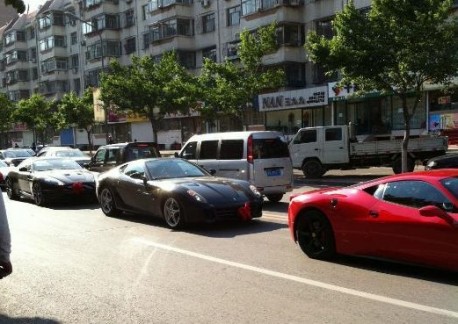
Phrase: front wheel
pixel 313 169
pixel 315 236
pixel 173 213
pixel 107 202
pixel 10 191
pixel 38 195
pixel 274 197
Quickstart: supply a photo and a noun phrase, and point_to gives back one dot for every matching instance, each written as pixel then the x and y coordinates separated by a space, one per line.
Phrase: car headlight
pixel 255 191
pixel 53 182
pixel 196 196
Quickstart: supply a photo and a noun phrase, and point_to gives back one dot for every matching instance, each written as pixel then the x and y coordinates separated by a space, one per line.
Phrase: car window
pixel 451 184
pixel 411 193
pixel 305 136
pixel 208 150
pixel 173 168
pixel 231 150
pixel 270 148
pixel 134 170
pixel 100 156
pixel 189 151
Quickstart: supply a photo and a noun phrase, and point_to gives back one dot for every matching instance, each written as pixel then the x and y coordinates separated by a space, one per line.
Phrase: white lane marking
pixel 348 291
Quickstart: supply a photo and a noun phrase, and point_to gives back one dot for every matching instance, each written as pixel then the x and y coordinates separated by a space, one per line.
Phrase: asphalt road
pixel 72 264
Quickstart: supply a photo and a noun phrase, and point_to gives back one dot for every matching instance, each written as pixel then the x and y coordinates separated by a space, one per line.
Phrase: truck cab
pixel 312 148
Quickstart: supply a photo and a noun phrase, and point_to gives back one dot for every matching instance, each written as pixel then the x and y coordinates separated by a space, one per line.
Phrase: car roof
pixel 130 144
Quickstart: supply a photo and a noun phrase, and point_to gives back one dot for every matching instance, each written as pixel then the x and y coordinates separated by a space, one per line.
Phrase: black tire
pixel 173 213
pixel 397 165
pixel 38 196
pixel 313 169
pixel 107 202
pixel 274 197
pixel 315 236
pixel 10 191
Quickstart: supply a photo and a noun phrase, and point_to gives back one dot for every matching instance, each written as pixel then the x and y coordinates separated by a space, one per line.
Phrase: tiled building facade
pixel 52 53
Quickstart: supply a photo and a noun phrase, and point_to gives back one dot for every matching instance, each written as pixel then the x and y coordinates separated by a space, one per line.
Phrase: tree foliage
pixel 16 4
pixel 6 114
pixel 150 88
pixel 78 111
pixel 231 87
pixel 40 115
pixel 396 47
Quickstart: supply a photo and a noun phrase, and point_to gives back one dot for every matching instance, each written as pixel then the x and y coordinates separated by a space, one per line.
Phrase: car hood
pixel 445 158
pixel 211 188
pixel 68 176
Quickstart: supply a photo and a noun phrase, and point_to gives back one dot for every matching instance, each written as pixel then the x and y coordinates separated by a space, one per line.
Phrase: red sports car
pixel 410 217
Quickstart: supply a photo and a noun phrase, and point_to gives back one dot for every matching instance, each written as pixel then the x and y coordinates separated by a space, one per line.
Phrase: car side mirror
pixel 434 211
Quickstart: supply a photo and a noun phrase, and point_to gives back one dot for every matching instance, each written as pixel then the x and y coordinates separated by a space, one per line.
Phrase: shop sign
pixel 337 92
pixel 303 98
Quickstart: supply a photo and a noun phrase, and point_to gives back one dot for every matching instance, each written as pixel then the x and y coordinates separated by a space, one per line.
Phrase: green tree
pixel 40 115
pixel 6 117
pixel 78 111
pixel 149 88
pixel 232 87
pixel 16 4
pixel 396 48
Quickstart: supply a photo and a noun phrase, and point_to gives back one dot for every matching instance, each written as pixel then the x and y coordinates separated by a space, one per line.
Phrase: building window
pixel 51 42
pixel 290 35
pixel 248 7
pixel 231 50
pixel 58 19
pixel 31 32
pixel 10 38
pixel 33 54
pixel 208 22
pixel 187 59
pixel 173 27
pixel 130 45
pixel 74 62
pixel 77 85
pixel 233 16
pixel 34 73
pixel 210 53
pixel 129 16
pixel 73 38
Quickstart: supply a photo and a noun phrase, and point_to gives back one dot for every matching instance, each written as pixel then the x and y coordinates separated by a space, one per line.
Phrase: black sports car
pixel 176 190
pixel 442 161
pixel 48 180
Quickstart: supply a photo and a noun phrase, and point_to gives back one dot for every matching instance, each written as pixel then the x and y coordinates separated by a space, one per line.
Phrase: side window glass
pixel 189 151
pixel 208 150
pixel 231 150
pixel 333 134
pixel 135 170
pixel 305 136
pixel 100 156
pixel 112 155
pixel 415 194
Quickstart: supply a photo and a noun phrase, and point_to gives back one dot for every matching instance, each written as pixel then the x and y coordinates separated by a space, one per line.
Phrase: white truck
pixel 314 150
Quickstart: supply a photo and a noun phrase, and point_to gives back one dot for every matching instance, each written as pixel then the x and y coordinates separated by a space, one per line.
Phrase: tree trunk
pixel 89 140
pixel 405 140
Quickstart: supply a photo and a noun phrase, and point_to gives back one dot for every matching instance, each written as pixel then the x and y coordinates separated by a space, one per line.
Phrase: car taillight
pixel 249 153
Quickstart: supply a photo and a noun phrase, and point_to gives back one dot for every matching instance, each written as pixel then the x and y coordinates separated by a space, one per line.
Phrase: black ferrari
pixel 176 190
pixel 47 180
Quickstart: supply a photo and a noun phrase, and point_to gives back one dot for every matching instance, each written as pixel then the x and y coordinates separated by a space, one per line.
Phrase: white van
pixel 260 157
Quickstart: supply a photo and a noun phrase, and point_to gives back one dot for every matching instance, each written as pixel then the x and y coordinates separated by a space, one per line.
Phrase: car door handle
pixel 373 213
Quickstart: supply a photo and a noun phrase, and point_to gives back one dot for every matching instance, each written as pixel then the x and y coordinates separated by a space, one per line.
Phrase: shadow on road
pixel 35 320
pixel 399 269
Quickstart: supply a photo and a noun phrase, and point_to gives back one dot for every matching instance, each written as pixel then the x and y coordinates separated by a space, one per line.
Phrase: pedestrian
pixel 5 242
pixel 34 147
pixel 16 146
pixel 110 139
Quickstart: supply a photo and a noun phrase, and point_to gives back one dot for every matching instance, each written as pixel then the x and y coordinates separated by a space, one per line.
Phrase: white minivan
pixel 260 157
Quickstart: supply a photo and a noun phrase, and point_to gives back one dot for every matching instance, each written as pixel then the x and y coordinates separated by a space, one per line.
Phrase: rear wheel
pixel 313 169
pixel 274 197
pixel 38 196
pixel 315 236
pixel 173 213
pixel 397 165
pixel 10 191
pixel 107 202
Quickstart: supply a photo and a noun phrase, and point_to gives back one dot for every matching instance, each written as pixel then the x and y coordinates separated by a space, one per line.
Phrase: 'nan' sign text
pixel 303 98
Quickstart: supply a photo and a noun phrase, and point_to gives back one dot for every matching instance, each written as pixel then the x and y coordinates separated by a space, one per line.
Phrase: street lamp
pixel 72 15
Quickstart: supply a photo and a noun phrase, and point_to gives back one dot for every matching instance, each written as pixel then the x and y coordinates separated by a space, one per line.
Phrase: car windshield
pixel 16 153
pixel 55 164
pixel 451 184
pixel 70 153
pixel 270 148
pixel 171 168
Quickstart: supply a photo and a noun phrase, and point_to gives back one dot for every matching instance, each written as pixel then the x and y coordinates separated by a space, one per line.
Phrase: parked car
pixel 260 157
pixel 52 179
pixel 176 190
pixel 443 161
pixel 108 156
pixel 410 217
pixel 75 154
pixel 14 156
pixel 4 169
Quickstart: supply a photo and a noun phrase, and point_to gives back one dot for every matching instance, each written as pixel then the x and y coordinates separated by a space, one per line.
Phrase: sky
pixel 33 4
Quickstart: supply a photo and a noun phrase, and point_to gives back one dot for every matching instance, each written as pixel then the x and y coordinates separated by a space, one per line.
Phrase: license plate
pixel 273 172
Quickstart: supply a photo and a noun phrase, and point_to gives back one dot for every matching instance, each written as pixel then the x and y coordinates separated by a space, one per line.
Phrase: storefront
pixel 443 113
pixel 287 111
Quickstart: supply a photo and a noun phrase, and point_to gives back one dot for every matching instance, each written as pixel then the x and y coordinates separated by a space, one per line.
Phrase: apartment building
pixel 67 43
